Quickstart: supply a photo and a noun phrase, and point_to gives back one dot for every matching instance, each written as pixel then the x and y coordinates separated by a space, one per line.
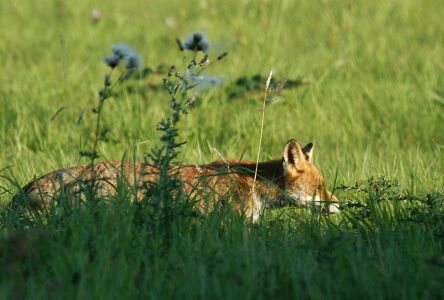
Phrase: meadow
pixel 371 99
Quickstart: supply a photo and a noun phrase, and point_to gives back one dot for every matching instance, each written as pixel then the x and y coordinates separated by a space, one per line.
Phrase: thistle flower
pixel 197 42
pixel 122 52
pixel 96 15
pixel 112 61
pixel 203 82
pixel 134 62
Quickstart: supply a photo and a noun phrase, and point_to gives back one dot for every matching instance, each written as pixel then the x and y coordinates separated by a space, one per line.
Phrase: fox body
pixel 290 180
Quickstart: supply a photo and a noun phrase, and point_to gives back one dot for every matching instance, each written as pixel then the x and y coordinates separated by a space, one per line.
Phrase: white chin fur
pixel 333 208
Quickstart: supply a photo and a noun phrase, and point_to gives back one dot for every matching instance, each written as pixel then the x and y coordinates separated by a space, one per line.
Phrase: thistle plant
pixel 178 84
pixel 121 54
pixel 164 198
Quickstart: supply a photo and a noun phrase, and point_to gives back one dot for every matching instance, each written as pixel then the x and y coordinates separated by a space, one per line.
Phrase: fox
pixel 291 180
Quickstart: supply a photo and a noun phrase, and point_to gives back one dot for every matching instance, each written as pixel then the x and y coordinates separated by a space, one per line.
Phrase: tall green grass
pixel 380 250
pixel 372 104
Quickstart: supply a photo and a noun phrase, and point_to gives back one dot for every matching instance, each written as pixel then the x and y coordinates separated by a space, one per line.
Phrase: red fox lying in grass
pixel 289 181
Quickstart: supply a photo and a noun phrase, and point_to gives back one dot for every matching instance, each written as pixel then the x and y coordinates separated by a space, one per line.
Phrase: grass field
pixel 372 102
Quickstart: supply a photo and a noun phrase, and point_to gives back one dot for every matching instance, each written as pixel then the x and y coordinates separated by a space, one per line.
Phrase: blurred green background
pixel 372 102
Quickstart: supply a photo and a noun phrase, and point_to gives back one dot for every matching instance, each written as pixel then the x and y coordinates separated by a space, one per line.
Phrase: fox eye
pixel 318 186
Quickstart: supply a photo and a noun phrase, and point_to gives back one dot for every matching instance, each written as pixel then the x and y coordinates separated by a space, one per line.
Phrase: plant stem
pixel 99 108
pixel 267 84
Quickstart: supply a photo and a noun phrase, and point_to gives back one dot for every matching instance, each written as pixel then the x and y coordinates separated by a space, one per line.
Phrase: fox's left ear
pixel 308 152
pixel 294 158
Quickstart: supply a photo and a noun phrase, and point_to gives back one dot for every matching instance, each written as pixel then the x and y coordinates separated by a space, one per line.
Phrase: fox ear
pixel 294 158
pixel 308 152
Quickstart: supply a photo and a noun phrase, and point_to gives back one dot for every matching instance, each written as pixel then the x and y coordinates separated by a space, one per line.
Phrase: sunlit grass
pixel 371 102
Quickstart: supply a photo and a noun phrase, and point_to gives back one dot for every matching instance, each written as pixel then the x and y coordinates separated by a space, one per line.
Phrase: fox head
pixel 304 183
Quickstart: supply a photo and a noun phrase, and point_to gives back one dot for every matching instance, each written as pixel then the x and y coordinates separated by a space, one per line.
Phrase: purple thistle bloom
pixel 122 52
pixel 112 61
pixel 197 42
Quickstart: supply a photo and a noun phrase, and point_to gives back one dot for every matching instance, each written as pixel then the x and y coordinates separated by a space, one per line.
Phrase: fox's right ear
pixel 294 158
pixel 308 151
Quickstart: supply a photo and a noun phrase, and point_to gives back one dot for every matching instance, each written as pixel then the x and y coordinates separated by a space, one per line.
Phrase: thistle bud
pixel 171 70
pixel 204 60
pixel 222 56
pixel 179 44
